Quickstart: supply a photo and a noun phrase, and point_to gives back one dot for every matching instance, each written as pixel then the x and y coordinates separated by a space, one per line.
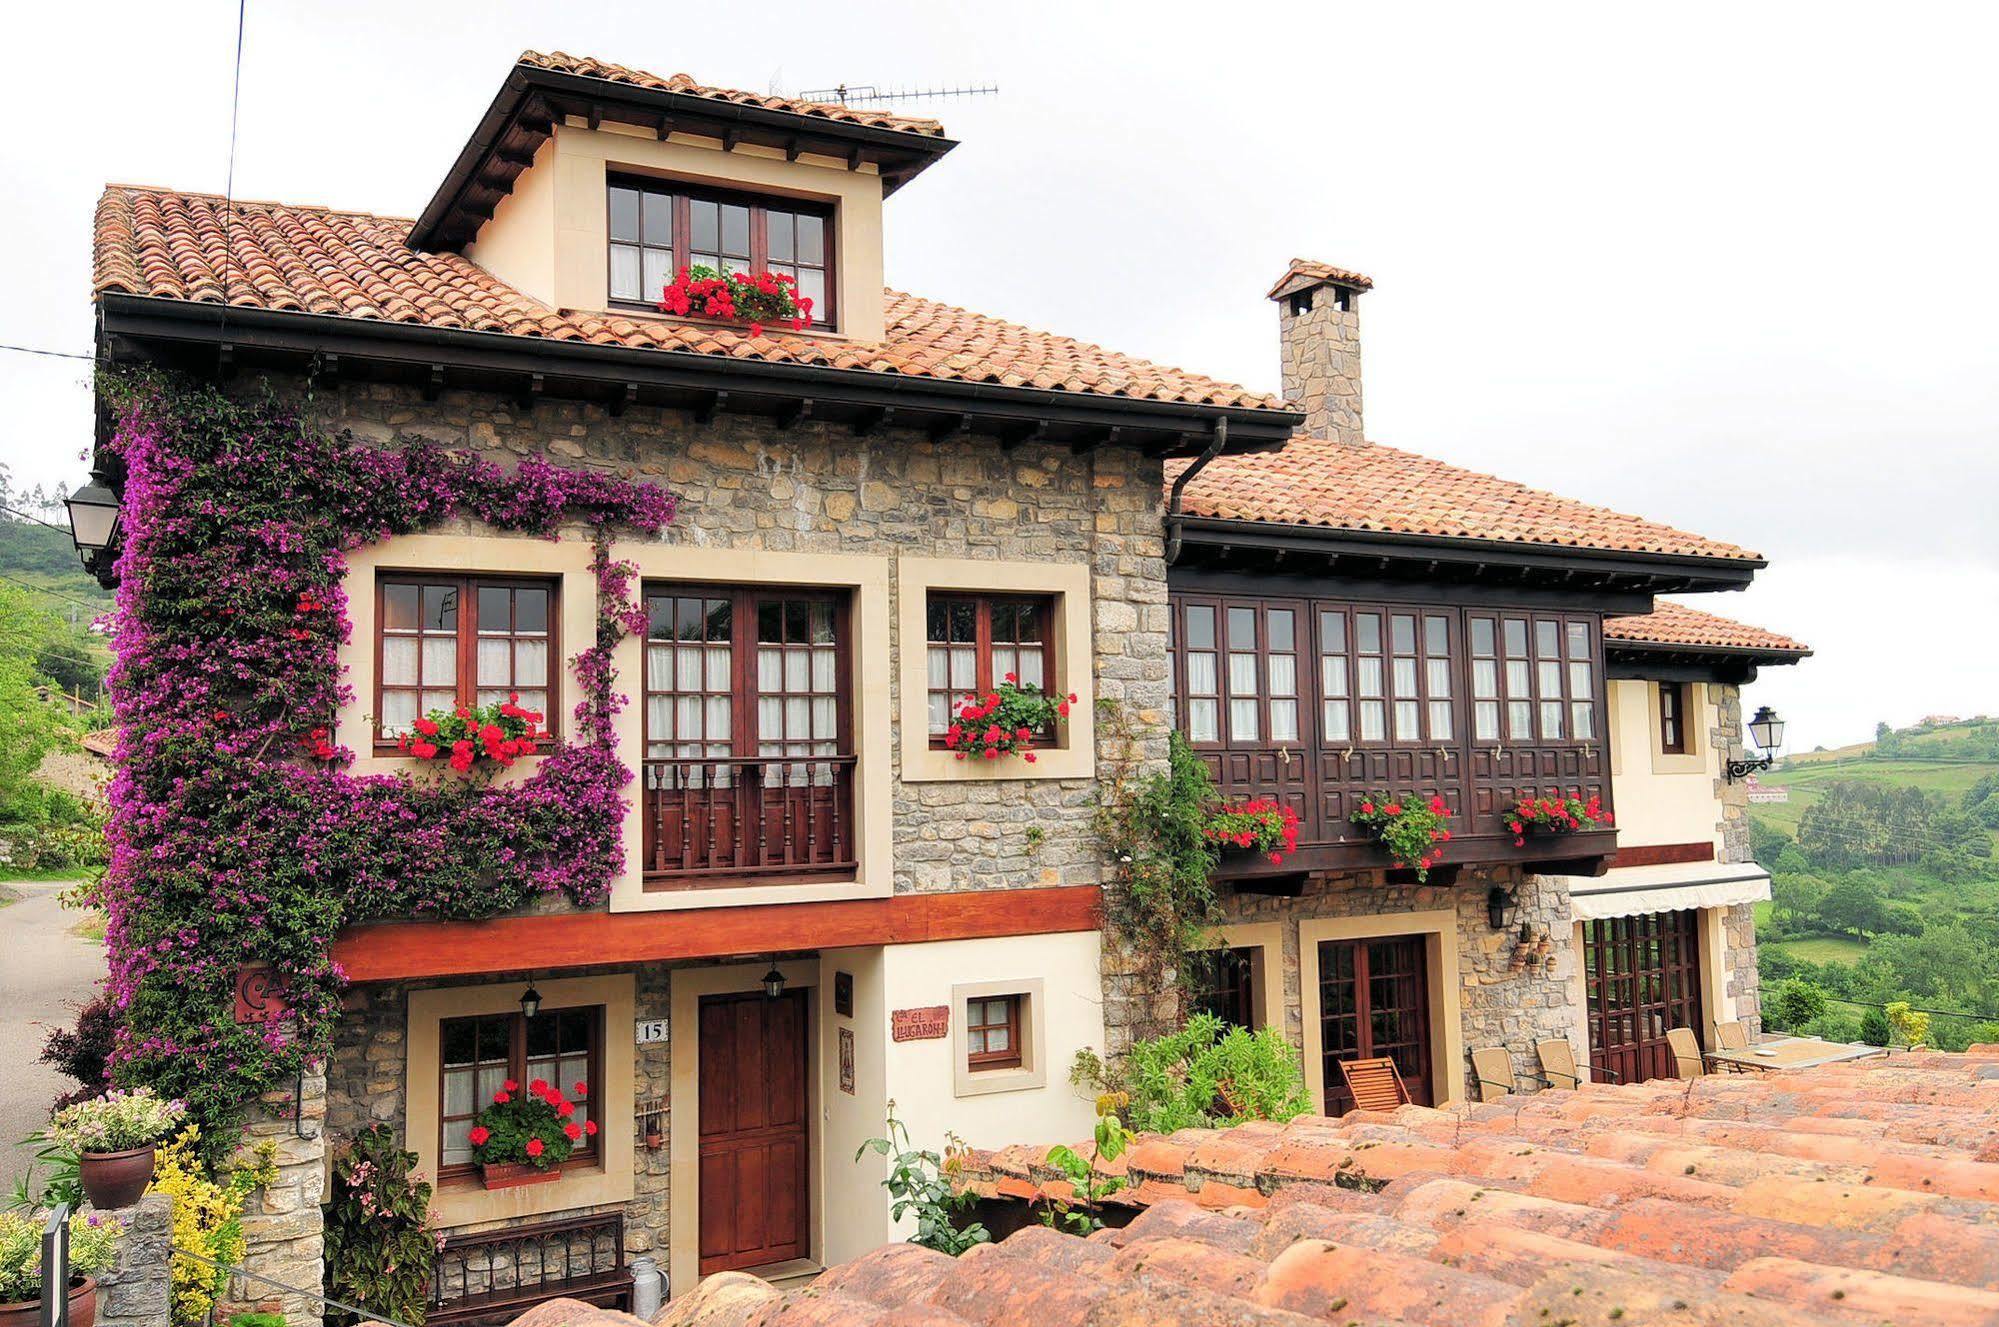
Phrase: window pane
pixel 1578 640
pixel 1333 632
pixel 1516 636
pixel 398 712
pixel 1548 639
pixel 1440 720
pixel 1579 683
pixel 1439 677
pixel 704 225
pixel 1373 721
pixel 1242 675
pixel 1436 635
pixel 812 285
pixel 1520 720
pixel 1407 715
pixel 495 663
pixel 1405 677
pixel 735 230
pixel 1278 626
pixel 399 661
pixel 1481 635
pixel 658 274
pixel 625 283
pixel 1203 719
pixel 1551 680
pixel 1284 720
pixel 399 607
pixel 1333 675
pixel 530 610
pixel 1485 716
pixel 1519 682
pixel 1367 632
pixel 440 608
pixel 1582 717
pixel 1335 717
pixel 1201 674
pixel 1242 720
pixel 440 660
pixel 624 214
pixel 1370 677
pixel 1283 675
pixel 1242 628
pixel 1484 677
pixel 1403 633
pixel 778 236
pixel 1200 627
pixel 1551 720
pixel 658 220
pixel 811 239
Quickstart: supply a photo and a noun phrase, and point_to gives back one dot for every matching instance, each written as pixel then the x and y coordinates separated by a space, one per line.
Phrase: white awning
pixel 1626 891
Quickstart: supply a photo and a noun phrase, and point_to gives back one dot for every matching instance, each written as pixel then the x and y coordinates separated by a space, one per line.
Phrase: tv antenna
pixel 848 94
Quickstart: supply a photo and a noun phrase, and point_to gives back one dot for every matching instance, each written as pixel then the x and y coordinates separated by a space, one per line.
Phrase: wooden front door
pixel 1644 977
pixel 1374 1000
pixel 754 1163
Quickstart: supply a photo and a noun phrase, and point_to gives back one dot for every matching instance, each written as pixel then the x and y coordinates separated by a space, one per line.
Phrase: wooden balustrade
pixel 721 820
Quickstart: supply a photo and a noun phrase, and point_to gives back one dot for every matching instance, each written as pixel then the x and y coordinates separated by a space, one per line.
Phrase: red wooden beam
pixel 392 951
pixel 1661 854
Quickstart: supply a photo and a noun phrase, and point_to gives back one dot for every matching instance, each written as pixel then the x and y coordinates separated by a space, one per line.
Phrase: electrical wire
pixel 53 354
pixel 59 529
pixel 57 594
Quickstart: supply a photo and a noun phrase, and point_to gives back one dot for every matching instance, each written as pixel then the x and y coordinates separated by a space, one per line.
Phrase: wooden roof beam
pixel 950 427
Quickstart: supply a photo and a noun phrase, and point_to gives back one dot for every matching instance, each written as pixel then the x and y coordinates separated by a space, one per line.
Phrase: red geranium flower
pixel 534 1147
pixel 573 1130
pixel 480 1133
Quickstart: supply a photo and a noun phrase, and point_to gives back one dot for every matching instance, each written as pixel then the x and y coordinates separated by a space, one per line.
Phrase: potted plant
pixel 1413 830
pixel 114 1137
pixel 93 1240
pixel 524 1137
pixel 475 734
pixel 1005 721
pixel 1555 815
pixel 755 298
pixel 1258 825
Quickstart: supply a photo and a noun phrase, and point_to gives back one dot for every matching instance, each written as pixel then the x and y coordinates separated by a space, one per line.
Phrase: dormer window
pixel 658 227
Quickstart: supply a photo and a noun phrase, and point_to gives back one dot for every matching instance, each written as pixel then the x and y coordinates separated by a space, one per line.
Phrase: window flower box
pixel 475 736
pixel 1006 721
pixel 525 1136
pixel 1412 830
pixel 515 1174
pixel 1256 826
pixel 1556 815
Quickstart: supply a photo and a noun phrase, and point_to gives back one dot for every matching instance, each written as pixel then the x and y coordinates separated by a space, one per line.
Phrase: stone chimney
pixel 1318 313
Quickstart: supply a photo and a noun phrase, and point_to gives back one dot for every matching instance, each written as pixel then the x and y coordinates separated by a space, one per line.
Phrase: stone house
pixel 823 909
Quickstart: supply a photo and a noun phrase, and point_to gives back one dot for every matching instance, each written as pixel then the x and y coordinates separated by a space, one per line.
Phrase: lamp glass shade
pixel 1498 906
pixel 530 1002
pixel 93 517
pixel 773 982
pixel 1766 729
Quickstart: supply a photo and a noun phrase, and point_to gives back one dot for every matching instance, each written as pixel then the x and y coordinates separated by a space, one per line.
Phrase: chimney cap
pixel 1304 273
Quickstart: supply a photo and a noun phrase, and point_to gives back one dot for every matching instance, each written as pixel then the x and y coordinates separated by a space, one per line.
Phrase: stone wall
pixel 1510 994
pixel 1739 974
pixel 745 483
pixel 1733 798
pixel 137 1291
pixel 283 1233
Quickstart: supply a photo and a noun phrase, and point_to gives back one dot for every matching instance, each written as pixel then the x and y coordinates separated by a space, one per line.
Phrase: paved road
pixel 44 972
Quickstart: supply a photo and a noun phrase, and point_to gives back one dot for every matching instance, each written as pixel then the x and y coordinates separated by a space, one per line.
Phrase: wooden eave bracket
pixel 714 404
pixel 795 414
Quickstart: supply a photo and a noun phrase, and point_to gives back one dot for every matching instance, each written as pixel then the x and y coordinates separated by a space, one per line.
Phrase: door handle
pixel 1284 756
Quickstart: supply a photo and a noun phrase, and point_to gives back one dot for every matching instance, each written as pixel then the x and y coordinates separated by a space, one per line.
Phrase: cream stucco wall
pixel 1662 798
pixel 852 1185
pixel 1066 1016
pixel 559 208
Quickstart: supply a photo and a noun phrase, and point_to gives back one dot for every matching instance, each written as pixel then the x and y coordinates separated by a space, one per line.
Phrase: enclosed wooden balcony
pixel 1318 704
pixel 761 819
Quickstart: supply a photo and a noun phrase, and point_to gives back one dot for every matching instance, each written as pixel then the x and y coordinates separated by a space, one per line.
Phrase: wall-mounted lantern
pixel 93 521
pixel 1500 907
pixel 773 982
pixel 530 1001
pixel 1766 730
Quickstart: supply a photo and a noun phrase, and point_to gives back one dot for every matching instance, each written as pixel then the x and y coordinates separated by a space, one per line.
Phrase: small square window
pixel 992 1032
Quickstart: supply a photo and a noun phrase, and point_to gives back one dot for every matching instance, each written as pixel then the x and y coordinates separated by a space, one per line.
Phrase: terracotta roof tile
pixel 1319 482
pixel 1305 271
pixel 310 259
pixel 614 73
pixel 1858 1193
pixel 1672 623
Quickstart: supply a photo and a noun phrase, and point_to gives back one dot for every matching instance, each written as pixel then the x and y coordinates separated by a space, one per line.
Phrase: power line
pixel 53 354
pixel 229 174
pixel 99 607
pixel 36 519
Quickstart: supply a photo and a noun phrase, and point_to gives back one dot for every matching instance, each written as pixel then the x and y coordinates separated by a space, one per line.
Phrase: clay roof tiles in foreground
pixel 1861 1194
pixel 308 259
pixel 1674 624
pixel 588 67
pixel 1319 482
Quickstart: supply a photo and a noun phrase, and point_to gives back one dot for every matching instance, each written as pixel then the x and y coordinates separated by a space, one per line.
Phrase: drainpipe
pixel 1173 517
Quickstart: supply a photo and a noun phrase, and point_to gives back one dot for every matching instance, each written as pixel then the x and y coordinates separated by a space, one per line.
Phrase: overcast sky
pixel 1731 267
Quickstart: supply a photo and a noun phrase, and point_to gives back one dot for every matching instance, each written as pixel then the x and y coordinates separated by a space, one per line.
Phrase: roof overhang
pixel 532 101
pixel 1662 662
pixel 1221 544
pixel 206 339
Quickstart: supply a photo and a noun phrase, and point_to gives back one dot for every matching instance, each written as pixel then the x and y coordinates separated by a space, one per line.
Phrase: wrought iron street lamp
pixel 93 520
pixel 1766 730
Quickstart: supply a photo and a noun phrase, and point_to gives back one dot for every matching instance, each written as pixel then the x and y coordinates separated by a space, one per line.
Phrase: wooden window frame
pixel 744 738
pixel 982 646
pixel 466 684
pixel 982 1061
pixel 824 313
pixel 1673 718
pixel 588 1150
pixel 1535 695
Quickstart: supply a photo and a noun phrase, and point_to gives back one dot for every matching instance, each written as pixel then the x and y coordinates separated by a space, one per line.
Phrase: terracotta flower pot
pixel 655 1140
pixel 116 1179
pixel 82 1307
pixel 513 1174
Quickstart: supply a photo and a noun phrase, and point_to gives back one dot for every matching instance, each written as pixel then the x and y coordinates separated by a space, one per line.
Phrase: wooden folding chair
pixel 1559 1069
pixel 1374 1084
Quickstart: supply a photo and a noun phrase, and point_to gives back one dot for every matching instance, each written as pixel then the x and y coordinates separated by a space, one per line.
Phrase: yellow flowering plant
pixel 207 1220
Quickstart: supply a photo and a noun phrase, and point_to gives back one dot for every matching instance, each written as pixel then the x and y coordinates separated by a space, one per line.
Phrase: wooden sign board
pixel 925 1024
pixel 260 995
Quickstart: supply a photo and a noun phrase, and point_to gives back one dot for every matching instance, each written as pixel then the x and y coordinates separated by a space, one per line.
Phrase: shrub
pixel 1795 1003
pixel 1912 1026
pixel 1202 1076
pixel 207 1221
pixel 1832 1026
pixel 93 1242
pixel 115 1121
pixel 381 1241
pixel 919 1182
pixel 1874 1029
pixel 82 1053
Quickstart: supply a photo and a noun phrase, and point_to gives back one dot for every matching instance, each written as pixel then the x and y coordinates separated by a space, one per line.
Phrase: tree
pixel 1853 907
pixel 1797 897
pixel 1796 1002
pixel 29 726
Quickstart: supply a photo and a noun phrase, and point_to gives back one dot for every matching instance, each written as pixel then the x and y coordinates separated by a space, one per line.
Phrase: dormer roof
pixel 542 89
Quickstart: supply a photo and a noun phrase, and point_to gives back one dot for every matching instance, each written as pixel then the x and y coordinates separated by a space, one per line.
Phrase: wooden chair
pixel 1493 1067
pixel 1558 1065
pixel 1374 1084
pixel 1688 1062
pixel 1731 1036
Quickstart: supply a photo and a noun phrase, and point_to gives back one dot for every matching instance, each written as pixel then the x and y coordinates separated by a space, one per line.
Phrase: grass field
pixel 1950 778
pixel 1820 949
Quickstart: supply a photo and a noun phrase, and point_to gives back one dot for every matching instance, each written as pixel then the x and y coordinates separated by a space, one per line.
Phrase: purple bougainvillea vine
pixel 237 835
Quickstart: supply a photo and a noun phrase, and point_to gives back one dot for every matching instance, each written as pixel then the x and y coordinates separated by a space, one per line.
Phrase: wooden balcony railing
pixel 721 820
